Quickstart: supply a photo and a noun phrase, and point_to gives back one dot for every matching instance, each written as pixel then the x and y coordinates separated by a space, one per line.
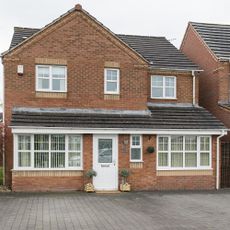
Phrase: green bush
pixel 91 173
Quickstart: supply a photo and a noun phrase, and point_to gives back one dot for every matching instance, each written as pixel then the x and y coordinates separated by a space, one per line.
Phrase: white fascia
pixel 64 130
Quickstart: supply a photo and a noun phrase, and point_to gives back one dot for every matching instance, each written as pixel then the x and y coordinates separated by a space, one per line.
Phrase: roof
pixel 158 51
pixel 21 34
pixel 216 37
pixel 175 118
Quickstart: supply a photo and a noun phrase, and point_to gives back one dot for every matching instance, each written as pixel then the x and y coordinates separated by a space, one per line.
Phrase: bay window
pixel 51 78
pixel 45 151
pixel 183 152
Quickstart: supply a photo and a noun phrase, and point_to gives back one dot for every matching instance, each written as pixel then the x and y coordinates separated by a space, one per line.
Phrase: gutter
pixel 193 88
pixel 218 159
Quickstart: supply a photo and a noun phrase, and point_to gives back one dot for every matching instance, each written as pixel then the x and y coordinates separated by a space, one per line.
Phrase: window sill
pixel 164 98
pixel 111 96
pixel 46 94
pixel 197 172
pixel 182 169
pixel 136 161
pixel 45 170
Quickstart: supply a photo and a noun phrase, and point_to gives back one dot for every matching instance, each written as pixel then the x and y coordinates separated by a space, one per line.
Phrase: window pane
pixel 43 83
pixel 74 159
pixel 190 143
pixel 58 72
pixel 157 81
pixel 111 75
pixel 204 143
pixel 57 160
pixel 136 140
pixel 163 144
pixel 169 92
pixel 177 143
pixel 204 159
pixel 57 142
pixel 43 71
pixel 169 82
pixel 41 142
pixel 24 159
pixel 74 143
pixel 135 154
pixel 111 86
pixel 105 150
pixel 163 159
pixel 157 92
pixel 177 159
pixel 41 160
pixel 23 142
pixel 58 84
pixel 190 159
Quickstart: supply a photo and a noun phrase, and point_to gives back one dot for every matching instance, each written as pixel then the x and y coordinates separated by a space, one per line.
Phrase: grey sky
pixel 146 17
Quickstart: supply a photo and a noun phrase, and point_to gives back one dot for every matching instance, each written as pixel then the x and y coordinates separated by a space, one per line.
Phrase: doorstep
pixel 108 192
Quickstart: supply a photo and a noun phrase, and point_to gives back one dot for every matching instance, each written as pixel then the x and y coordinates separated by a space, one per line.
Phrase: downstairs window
pixel 184 152
pixel 48 151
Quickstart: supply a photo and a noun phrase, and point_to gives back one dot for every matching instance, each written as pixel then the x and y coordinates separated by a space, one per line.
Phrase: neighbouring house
pixel 78 96
pixel 208 45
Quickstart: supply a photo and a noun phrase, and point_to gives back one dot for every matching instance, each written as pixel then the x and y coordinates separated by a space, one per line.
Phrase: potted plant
pixel 124 186
pixel 89 186
pixel 150 149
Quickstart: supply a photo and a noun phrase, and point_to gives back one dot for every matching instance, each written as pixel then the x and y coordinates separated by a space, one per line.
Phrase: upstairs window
pixel 112 81
pixel 51 78
pixel 163 87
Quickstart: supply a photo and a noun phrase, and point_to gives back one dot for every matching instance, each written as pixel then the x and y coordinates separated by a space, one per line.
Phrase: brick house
pixel 78 96
pixel 208 46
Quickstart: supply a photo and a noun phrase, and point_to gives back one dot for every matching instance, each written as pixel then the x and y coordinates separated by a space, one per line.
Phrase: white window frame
pixel 50 79
pixel 199 167
pixel 105 81
pixel 136 147
pixel 67 167
pixel 164 87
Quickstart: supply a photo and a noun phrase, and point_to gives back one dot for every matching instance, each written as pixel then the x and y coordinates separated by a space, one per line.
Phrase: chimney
pixel 78 7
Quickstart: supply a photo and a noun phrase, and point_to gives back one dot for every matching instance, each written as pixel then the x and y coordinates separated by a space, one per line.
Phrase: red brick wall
pixel 144 178
pixel 85 47
pixel 213 81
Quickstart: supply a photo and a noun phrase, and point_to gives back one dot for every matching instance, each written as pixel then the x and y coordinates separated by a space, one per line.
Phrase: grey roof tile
pixel 216 36
pixel 21 34
pixel 158 51
pixel 195 118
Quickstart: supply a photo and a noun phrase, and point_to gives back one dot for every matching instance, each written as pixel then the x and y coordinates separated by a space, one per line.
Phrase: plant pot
pixel 125 187
pixel 89 187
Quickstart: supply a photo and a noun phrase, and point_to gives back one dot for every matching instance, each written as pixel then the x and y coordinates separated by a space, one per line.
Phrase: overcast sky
pixel 167 18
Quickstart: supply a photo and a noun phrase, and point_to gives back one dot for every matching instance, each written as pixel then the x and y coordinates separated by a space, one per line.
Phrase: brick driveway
pixel 143 210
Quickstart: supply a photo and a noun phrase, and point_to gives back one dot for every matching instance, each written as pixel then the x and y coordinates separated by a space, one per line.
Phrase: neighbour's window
pixel 56 151
pixel 136 148
pixel 51 78
pixel 112 81
pixel 184 152
pixel 163 87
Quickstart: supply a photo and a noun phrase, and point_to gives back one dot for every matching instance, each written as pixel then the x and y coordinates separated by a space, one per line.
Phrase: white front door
pixel 105 162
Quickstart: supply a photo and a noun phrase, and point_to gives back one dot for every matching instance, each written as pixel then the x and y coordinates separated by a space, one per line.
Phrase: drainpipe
pixel 193 88
pixel 218 159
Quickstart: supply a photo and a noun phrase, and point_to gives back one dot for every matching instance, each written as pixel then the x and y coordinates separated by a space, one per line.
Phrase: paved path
pixel 143 210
